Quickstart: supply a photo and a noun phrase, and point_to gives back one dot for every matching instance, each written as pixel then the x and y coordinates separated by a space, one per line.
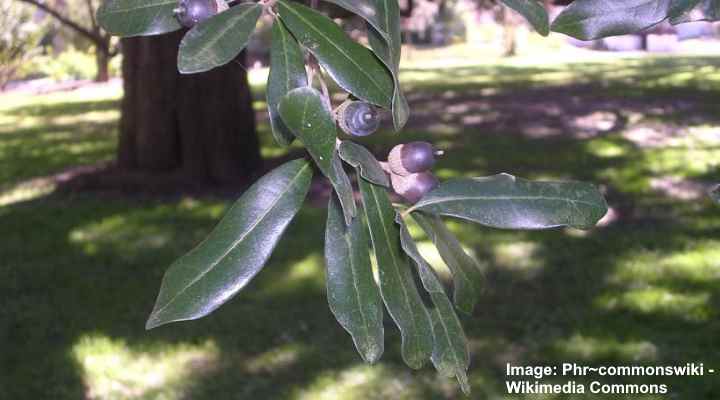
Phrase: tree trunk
pixel 200 126
pixel 102 61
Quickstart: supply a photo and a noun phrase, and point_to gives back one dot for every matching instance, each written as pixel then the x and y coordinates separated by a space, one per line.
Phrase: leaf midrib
pixel 339 49
pixel 449 199
pixel 280 196
pixel 210 43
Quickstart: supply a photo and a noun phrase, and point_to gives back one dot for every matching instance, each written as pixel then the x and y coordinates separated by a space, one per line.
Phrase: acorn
pixel 358 118
pixel 191 12
pixel 412 158
pixel 414 186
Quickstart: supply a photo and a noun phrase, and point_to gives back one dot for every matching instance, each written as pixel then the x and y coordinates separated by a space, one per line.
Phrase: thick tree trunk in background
pixel 102 61
pixel 200 126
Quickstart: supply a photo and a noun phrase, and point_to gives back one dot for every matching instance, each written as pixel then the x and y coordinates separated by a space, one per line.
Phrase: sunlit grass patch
pixel 114 370
pixel 581 347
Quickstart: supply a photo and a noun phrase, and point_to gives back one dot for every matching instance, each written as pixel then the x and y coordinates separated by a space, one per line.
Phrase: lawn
pixel 79 272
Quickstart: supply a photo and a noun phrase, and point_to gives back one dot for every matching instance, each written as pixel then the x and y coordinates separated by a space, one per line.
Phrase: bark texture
pixel 200 126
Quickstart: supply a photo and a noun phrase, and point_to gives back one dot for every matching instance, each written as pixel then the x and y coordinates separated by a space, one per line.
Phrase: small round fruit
pixel 191 12
pixel 411 158
pixel 414 186
pixel 358 118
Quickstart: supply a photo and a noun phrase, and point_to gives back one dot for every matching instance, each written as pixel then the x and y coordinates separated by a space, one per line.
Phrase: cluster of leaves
pixel 307 45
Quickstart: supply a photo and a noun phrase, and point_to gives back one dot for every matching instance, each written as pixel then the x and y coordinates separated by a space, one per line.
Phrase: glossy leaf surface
pixel 138 17
pixel 386 42
pixel 593 19
pixel 366 9
pixel 534 12
pixel 360 158
pixel 236 250
pixel 450 355
pixel 351 65
pixel 287 72
pixel 397 285
pixel 467 272
pixel 353 296
pixel 218 40
pixel 308 116
pixel 504 201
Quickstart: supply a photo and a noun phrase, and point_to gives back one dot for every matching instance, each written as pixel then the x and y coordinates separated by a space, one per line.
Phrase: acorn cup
pixel 191 12
pixel 414 186
pixel 411 158
pixel 358 118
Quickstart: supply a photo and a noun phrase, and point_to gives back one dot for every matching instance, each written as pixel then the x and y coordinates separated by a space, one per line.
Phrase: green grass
pixel 79 273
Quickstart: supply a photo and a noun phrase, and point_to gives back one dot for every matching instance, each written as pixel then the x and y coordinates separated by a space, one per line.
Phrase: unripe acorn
pixel 191 12
pixel 414 186
pixel 411 158
pixel 358 118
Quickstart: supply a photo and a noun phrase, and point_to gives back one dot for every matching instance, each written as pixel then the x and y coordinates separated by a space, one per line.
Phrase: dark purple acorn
pixel 414 186
pixel 358 118
pixel 191 12
pixel 411 158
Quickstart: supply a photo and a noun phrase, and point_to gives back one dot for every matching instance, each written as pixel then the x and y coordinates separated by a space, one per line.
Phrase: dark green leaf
pixel 534 12
pixel 343 188
pixel 236 250
pixel 467 272
pixel 504 201
pixel 287 72
pixel 386 42
pixel 352 66
pixel 397 286
pixel 593 19
pixel 352 293
pixel 218 40
pixel 695 10
pixel 450 354
pixel 360 158
pixel 138 17
pixel 309 117
pixel 363 8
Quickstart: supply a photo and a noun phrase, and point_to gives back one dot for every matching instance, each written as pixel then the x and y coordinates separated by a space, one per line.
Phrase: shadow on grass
pixel 643 290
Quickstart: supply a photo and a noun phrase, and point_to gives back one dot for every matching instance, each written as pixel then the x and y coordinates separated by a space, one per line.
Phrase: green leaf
pixel 363 8
pixel 352 293
pixel 343 188
pixel 138 17
pixel 467 272
pixel 694 10
pixel 450 355
pixel 309 117
pixel 534 12
pixel 287 72
pixel 236 250
pixel 360 158
pixel 218 40
pixel 354 67
pixel 504 201
pixel 593 19
pixel 386 42
pixel 397 286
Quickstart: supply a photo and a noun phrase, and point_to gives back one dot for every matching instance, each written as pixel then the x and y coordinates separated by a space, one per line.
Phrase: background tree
pixel 79 17
pixel 19 39
pixel 199 126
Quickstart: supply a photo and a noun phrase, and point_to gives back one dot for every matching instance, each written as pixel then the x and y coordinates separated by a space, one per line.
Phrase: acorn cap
pixel 358 118
pixel 412 158
pixel 414 186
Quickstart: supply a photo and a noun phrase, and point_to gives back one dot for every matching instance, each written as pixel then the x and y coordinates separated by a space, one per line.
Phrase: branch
pixel 92 36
